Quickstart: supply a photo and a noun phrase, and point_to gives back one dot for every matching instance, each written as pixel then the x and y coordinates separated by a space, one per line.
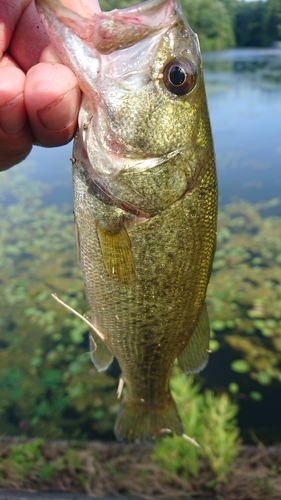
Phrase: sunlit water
pixel 244 96
pixel 244 93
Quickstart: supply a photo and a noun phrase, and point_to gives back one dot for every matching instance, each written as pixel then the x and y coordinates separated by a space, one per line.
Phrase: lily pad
pixel 240 366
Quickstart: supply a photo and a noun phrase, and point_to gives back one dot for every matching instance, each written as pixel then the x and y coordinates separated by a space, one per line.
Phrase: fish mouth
pixel 115 30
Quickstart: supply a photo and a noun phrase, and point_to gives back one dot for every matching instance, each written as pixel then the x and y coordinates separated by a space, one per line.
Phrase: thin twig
pixel 99 334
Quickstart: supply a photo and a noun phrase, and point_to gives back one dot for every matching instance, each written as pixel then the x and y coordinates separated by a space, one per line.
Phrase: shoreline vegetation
pixel 100 468
pixel 224 24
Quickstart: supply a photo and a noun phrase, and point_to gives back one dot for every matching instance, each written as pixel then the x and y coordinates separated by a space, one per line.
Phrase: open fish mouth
pixel 120 46
pixel 115 30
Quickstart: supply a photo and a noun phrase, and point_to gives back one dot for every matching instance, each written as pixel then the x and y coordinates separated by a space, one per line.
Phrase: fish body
pixel 145 197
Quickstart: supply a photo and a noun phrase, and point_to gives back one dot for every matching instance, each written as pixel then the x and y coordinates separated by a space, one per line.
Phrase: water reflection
pixel 244 96
pixel 53 166
pixel 253 63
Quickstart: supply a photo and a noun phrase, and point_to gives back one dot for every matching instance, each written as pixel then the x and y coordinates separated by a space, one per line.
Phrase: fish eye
pixel 179 76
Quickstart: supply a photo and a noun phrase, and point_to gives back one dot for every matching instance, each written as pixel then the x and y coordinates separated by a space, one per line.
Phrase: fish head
pixel 144 115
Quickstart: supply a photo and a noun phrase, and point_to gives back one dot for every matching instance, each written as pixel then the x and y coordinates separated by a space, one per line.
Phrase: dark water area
pixel 244 96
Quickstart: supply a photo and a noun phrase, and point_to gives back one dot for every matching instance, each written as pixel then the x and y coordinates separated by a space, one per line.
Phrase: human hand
pixel 39 96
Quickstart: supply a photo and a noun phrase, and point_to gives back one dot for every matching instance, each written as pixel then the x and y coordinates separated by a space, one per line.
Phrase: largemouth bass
pixel 145 197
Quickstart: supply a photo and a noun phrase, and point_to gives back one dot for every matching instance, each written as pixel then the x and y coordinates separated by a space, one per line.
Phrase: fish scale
pixel 145 199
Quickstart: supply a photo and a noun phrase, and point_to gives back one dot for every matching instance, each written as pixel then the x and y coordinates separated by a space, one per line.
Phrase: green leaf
pixel 263 378
pixel 233 388
pixel 214 345
pixel 256 396
pixel 240 366
pixel 218 325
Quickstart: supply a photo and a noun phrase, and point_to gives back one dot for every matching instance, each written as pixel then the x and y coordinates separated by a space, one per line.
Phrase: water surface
pixel 244 95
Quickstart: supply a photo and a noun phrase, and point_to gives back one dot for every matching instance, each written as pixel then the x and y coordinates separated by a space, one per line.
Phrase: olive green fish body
pixel 145 202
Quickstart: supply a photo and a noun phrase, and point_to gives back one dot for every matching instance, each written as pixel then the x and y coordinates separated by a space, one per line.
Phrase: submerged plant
pixel 48 386
pixel 46 375
pixel 210 420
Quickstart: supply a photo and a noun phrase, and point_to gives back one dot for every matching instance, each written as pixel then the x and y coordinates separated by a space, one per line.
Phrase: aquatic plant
pixel 100 468
pixel 28 463
pixel 244 295
pixel 209 419
pixel 46 374
pixel 48 386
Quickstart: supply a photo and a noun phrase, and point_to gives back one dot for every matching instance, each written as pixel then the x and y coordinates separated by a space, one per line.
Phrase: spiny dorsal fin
pixel 195 355
pixel 117 254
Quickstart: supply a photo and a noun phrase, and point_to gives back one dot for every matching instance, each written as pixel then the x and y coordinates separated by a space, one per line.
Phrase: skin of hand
pixel 39 96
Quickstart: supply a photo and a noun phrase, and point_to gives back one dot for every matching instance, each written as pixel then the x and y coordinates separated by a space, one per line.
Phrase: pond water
pixel 244 95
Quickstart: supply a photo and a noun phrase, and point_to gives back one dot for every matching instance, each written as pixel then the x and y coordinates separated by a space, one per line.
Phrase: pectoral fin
pixel 117 254
pixel 195 355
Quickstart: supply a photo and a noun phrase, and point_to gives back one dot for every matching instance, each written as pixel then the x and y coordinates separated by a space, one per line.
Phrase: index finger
pixel 21 32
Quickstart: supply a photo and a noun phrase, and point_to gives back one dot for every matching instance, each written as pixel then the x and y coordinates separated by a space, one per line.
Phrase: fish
pixel 145 197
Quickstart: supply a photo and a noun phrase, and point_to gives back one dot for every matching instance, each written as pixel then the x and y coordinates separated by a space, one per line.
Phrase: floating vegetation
pixel 244 295
pixel 46 374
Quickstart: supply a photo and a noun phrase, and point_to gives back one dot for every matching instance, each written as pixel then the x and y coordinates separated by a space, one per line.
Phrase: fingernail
pixel 13 116
pixel 61 112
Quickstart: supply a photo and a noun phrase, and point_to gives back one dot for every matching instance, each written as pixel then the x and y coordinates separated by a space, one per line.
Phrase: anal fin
pixel 100 354
pixel 194 356
pixel 117 253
